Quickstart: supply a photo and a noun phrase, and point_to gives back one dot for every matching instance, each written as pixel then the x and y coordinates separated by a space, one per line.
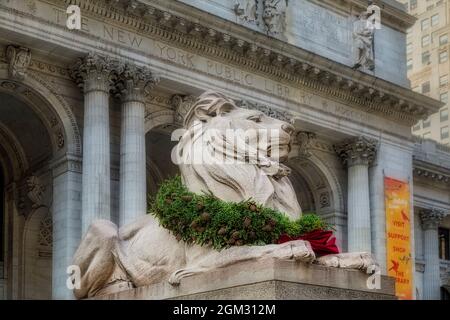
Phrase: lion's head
pixel 236 154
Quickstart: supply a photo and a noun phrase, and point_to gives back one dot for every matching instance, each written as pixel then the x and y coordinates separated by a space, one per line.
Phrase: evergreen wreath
pixel 204 219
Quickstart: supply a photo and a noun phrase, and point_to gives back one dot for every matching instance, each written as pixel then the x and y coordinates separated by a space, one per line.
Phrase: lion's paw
pixel 302 251
pixel 357 260
pixel 295 250
pixel 175 278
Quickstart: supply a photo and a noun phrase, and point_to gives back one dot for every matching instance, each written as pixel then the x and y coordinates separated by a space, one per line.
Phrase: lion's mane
pixel 236 172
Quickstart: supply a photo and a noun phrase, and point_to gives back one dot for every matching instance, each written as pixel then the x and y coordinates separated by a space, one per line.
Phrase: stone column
pixel 66 210
pixel 357 154
pixel 94 75
pixel 132 86
pixel 432 275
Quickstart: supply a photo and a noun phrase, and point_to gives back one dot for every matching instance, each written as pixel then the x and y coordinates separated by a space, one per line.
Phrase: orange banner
pixel 398 235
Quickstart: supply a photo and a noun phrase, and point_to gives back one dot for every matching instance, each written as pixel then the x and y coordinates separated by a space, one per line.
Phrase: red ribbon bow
pixel 322 242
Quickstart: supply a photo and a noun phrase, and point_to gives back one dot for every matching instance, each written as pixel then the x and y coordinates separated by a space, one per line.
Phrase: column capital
pixel 95 72
pixel 431 218
pixel 355 151
pixel 135 82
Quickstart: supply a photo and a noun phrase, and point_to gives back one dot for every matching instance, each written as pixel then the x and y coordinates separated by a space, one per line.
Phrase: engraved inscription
pixel 345 112
pixel 121 36
pixel 276 89
pixel 176 56
pixel 229 73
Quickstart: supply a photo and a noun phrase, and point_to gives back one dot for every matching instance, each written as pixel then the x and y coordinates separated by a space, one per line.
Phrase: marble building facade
pixel 87 115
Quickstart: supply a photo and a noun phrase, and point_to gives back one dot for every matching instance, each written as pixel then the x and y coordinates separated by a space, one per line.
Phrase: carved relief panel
pixel 269 15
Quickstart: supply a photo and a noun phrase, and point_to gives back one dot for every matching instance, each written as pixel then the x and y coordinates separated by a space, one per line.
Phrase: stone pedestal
pixel 266 280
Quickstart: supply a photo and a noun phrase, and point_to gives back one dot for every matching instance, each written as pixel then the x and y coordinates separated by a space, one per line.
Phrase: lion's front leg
pixel 355 260
pixel 295 250
pixel 95 258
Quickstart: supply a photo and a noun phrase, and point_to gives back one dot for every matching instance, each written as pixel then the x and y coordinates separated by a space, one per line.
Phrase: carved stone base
pixel 267 280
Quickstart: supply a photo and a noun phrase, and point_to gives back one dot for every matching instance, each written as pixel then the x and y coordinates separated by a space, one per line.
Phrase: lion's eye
pixel 256 118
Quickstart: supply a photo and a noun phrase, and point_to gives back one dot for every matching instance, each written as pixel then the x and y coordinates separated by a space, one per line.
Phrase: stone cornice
pixel 192 29
pixel 391 11
pixel 431 161
pixel 431 172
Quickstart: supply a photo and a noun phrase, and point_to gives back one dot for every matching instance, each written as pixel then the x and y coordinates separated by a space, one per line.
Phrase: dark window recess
pixel 444 294
pixel 444 244
pixel 2 208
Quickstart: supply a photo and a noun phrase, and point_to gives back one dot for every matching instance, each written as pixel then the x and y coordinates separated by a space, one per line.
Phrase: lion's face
pixel 270 136
pixel 235 154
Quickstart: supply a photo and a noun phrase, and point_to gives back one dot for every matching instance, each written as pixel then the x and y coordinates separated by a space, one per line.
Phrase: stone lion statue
pixel 144 253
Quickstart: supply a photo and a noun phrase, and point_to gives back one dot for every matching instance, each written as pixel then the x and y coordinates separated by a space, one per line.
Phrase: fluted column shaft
pixel 359 230
pixel 93 74
pixel 133 84
pixel 357 154
pixel 96 158
pixel 432 275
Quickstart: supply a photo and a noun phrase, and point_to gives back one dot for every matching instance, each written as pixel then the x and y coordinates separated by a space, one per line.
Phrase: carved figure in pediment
pixel 246 10
pixel 363 37
pixel 274 16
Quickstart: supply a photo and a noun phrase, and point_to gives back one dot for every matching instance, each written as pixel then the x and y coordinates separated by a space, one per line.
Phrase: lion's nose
pixel 288 128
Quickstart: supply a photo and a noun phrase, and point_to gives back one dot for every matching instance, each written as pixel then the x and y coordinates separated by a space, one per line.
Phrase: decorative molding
pixel 420 172
pixel 66 163
pixel 9 140
pixel 445 272
pixel 46 67
pixel 360 150
pixel 323 146
pixel 420 266
pixel 324 200
pixel 75 131
pixel 46 231
pixel 302 144
pixel 386 99
pixel 31 5
pixel 182 105
pixel 268 111
pixel 161 120
pixel 162 101
pixel 19 59
pixel 53 125
pixel 31 195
